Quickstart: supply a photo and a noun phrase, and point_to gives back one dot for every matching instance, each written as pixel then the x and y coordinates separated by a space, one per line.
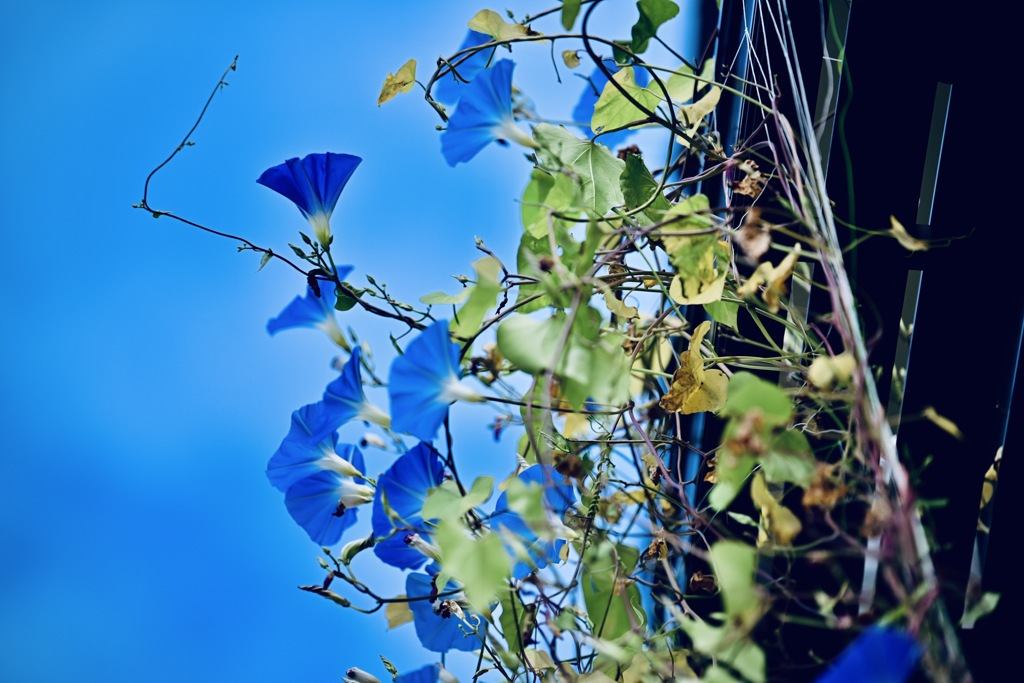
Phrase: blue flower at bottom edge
pixel 405 486
pixel 483 115
pixel 558 498
pixel 449 88
pixel 879 655
pixel 424 381
pixel 314 183
pixel 323 504
pixel 313 311
pixel 437 622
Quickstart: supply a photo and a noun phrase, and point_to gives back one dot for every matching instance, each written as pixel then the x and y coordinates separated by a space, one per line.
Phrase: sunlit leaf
pixel 653 13
pixel 694 389
pixel 775 279
pixel 617 307
pixel 639 186
pixel 547 194
pixel 482 298
pixel 397 613
pixel 826 371
pixel 571 58
pixel 749 392
pixel 985 605
pixel 480 564
pixel 402 81
pixel 490 23
pixel 445 501
pixel 440 298
pixel 723 312
pixel 597 169
pixel 614 109
pixel 734 563
pixel 683 86
pixel 538 659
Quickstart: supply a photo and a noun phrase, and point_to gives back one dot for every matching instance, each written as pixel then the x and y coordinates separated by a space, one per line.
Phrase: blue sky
pixel 141 395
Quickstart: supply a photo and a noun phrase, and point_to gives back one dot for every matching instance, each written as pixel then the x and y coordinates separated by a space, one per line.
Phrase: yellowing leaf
pixel 398 82
pixel 490 23
pixel 398 613
pixel 828 370
pixel 943 423
pixel 691 115
pixel 779 522
pixel 776 279
pixel 706 293
pixel 694 389
pixel 903 237
pixel 538 659
pixel 617 307
pixel 571 58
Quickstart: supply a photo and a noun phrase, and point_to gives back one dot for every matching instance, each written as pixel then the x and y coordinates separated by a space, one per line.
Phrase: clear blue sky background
pixel 140 394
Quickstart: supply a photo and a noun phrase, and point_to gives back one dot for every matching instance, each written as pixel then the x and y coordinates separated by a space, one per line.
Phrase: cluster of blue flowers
pixel 324 481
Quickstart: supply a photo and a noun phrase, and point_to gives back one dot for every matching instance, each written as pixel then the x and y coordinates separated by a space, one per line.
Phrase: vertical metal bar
pixel 930 179
pixel 837 23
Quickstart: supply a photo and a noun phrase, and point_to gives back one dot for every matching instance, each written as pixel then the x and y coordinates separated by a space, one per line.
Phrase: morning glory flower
pixel 449 88
pixel 483 115
pixel 314 183
pixel 558 498
pixel 405 486
pixel 437 621
pixel 305 451
pixel 313 311
pixel 324 503
pixel 584 110
pixel 344 400
pixel 425 381
pixel 879 655
pixel 431 673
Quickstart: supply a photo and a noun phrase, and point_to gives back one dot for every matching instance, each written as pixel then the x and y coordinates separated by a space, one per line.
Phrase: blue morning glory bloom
pixel 437 623
pixel 449 88
pixel 314 183
pixel 344 400
pixel 584 110
pixel 324 503
pixel 405 486
pixel 305 452
pixel 879 655
pixel 313 311
pixel 431 673
pixel 558 498
pixel 483 115
pixel 425 381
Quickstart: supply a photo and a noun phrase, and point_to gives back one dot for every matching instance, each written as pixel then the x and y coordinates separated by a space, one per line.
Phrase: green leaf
pixel 608 599
pixel 653 13
pixel 547 193
pixel 597 170
pixel 723 312
pixel 614 110
pixel 570 10
pixel 513 619
pixel 985 604
pixel 734 564
pixel 480 564
pixel 402 81
pixel 440 298
pixel 481 299
pixel 342 301
pixel 749 392
pixel 789 459
pixel 267 255
pixel 732 473
pixel 702 261
pixel 392 669
pixel 638 186
pixel 531 344
pixel 445 501
pixel 490 23
pixel 683 86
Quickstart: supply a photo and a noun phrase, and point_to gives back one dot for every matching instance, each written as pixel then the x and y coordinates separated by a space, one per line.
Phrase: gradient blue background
pixel 141 396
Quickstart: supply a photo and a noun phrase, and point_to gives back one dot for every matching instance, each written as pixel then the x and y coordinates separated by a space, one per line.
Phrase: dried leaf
pixel 779 522
pixel 402 81
pixel 397 613
pixel 775 279
pixel 903 237
pixel 755 235
pixel 695 390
